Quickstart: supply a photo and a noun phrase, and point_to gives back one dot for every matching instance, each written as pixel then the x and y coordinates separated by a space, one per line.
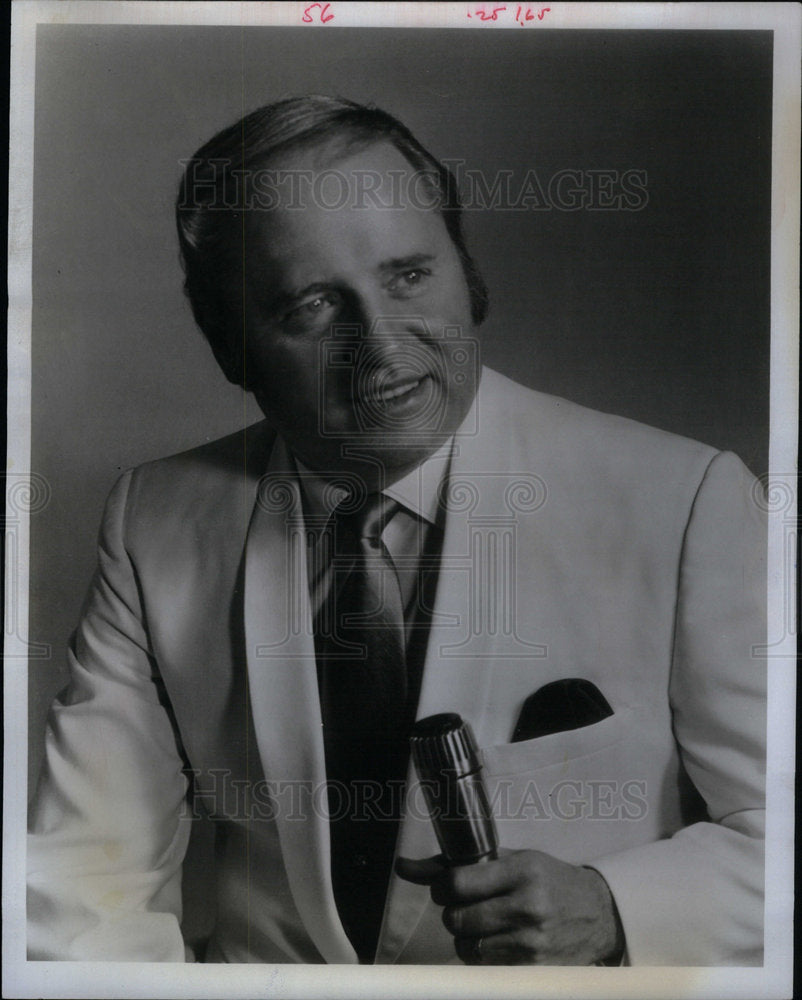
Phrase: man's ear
pixel 228 352
pixel 477 289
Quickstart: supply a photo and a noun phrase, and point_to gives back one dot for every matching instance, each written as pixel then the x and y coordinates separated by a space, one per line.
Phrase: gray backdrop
pixel 660 314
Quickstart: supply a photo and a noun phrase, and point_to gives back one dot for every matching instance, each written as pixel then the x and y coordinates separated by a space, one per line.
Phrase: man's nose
pixel 386 326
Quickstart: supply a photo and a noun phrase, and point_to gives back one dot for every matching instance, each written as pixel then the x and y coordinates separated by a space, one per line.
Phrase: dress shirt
pixel 412 536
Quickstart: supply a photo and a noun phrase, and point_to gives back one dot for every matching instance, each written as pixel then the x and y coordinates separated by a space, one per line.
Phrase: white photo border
pixel 55 979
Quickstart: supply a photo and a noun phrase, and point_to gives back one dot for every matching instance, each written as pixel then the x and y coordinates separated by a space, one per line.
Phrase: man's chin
pixel 379 458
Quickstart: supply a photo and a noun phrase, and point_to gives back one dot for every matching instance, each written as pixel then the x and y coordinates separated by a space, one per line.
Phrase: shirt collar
pixel 418 491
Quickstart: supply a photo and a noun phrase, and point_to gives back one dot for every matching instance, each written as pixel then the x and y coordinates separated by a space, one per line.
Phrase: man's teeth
pixel 399 390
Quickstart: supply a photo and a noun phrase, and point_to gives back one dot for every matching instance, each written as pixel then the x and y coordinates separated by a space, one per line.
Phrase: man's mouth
pixel 385 393
pixel 389 390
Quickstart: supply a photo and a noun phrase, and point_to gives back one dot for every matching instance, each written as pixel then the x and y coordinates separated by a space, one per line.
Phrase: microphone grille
pixel 444 742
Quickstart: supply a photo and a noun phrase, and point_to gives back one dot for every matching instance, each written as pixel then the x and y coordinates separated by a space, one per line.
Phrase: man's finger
pixel 473 883
pixel 481 919
pixel 507 948
pixel 422 871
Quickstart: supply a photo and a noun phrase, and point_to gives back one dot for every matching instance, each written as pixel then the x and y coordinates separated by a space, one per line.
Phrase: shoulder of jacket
pixel 545 418
pixel 203 474
pixel 592 452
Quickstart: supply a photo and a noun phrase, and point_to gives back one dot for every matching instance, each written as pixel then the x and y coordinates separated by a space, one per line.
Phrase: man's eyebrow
pixel 413 260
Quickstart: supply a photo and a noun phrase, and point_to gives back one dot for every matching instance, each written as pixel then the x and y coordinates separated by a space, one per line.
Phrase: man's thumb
pixel 422 872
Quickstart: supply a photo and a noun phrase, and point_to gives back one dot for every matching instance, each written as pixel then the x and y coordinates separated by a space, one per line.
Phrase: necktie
pixel 359 638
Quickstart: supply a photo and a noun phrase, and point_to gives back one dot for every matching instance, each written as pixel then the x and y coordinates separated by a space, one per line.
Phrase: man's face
pixel 359 342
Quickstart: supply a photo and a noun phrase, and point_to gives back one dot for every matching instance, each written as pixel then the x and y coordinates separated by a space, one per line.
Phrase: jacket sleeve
pixel 697 898
pixel 107 837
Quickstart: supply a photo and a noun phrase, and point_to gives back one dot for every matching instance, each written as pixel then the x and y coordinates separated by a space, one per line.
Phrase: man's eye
pixel 313 310
pixel 409 281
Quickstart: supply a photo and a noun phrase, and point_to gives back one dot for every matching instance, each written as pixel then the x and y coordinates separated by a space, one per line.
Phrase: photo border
pixel 108 979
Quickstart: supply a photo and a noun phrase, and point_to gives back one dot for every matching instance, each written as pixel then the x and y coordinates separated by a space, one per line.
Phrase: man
pixel 405 534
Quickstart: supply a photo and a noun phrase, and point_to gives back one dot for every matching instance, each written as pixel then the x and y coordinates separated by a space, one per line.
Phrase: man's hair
pixel 216 189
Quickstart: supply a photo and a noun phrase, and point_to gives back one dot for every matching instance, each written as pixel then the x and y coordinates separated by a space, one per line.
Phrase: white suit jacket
pixel 576 545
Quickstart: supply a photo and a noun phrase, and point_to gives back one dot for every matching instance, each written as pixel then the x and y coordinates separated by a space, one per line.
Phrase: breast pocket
pixel 577 794
pixel 556 748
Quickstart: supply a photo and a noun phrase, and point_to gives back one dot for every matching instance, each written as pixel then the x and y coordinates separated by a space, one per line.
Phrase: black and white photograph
pixel 401 500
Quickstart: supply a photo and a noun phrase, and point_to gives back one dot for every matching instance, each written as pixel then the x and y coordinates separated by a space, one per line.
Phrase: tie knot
pixel 368 520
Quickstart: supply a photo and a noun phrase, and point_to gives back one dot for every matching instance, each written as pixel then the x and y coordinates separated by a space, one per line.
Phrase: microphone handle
pixel 462 820
pixel 449 767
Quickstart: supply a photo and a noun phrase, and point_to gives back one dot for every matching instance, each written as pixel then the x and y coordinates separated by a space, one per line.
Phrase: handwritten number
pixel 520 16
pixel 489 17
pixel 324 18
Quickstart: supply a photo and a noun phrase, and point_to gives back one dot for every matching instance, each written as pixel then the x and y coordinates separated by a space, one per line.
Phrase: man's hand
pixel 525 908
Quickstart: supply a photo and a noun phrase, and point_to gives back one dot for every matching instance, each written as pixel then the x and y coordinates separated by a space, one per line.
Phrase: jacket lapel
pixel 449 684
pixel 469 636
pixel 284 695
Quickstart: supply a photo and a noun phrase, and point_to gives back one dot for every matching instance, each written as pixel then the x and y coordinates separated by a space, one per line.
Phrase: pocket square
pixel 569 703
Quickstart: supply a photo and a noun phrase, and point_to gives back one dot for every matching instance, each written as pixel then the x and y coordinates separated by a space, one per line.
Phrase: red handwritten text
pixel 485 16
pixel 522 14
pixel 309 18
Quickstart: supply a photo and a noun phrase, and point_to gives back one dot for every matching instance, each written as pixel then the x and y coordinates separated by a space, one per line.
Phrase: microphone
pixel 447 761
